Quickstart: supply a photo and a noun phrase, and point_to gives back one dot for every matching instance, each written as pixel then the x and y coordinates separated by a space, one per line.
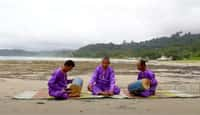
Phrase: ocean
pixel 25 58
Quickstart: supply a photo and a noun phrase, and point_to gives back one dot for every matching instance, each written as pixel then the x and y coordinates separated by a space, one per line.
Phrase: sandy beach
pixel 18 76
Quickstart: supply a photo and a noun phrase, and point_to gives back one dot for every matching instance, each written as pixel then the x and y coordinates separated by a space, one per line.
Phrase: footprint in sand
pixel 2 80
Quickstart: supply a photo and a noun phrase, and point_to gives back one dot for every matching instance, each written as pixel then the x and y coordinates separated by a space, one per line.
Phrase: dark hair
pixel 143 62
pixel 69 63
pixel 106 58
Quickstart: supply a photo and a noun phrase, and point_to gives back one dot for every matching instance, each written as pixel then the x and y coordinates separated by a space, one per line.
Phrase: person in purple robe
pixel 145 73
pixel 103 80
pixel 57 85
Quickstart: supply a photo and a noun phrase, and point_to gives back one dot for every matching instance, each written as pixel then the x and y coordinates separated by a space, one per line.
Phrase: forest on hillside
pixel 178 46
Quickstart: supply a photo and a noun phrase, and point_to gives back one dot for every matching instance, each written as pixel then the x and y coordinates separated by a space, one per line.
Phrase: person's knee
pixel 116 90
pixel 62 96
pixel 96 90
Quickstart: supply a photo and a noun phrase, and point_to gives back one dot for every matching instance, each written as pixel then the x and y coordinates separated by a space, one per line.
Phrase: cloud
pixel 55 24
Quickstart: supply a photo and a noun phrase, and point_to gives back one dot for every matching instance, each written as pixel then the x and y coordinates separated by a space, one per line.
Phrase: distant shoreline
pixel 34 58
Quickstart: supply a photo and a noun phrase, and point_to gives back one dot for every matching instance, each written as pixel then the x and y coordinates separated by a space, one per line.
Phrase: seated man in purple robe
pixel 145 73
pixel 58 82
pixel 103 80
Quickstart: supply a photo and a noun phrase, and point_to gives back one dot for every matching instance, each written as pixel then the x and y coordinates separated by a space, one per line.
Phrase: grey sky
pixel 62 24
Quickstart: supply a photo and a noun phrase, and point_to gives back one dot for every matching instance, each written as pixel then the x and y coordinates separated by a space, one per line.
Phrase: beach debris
pixel 40 103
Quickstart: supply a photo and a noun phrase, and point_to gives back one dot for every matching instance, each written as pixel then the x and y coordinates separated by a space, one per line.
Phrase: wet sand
pixel 18 76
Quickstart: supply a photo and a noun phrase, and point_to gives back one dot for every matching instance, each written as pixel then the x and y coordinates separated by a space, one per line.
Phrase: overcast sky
pixel 70 24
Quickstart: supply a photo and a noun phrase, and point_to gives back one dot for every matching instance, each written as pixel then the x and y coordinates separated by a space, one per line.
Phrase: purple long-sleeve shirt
pixel 58 83
pixel 148 74
pixel 103 78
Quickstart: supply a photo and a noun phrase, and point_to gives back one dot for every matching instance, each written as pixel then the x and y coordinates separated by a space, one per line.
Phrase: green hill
pixel 178 45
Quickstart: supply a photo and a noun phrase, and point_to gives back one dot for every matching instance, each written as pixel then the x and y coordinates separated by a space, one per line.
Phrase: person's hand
pixel 70 81
pixel 106 93
pixel 68 90
pixel 103 93
pixel 90 87
pixel 110 93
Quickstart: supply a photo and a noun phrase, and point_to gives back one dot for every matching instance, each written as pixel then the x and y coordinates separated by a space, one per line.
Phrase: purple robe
pixel 103 80
pixel 148 74
pixel 57 84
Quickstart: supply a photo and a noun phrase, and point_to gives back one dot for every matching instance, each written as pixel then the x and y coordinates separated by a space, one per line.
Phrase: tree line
pixel 178 46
